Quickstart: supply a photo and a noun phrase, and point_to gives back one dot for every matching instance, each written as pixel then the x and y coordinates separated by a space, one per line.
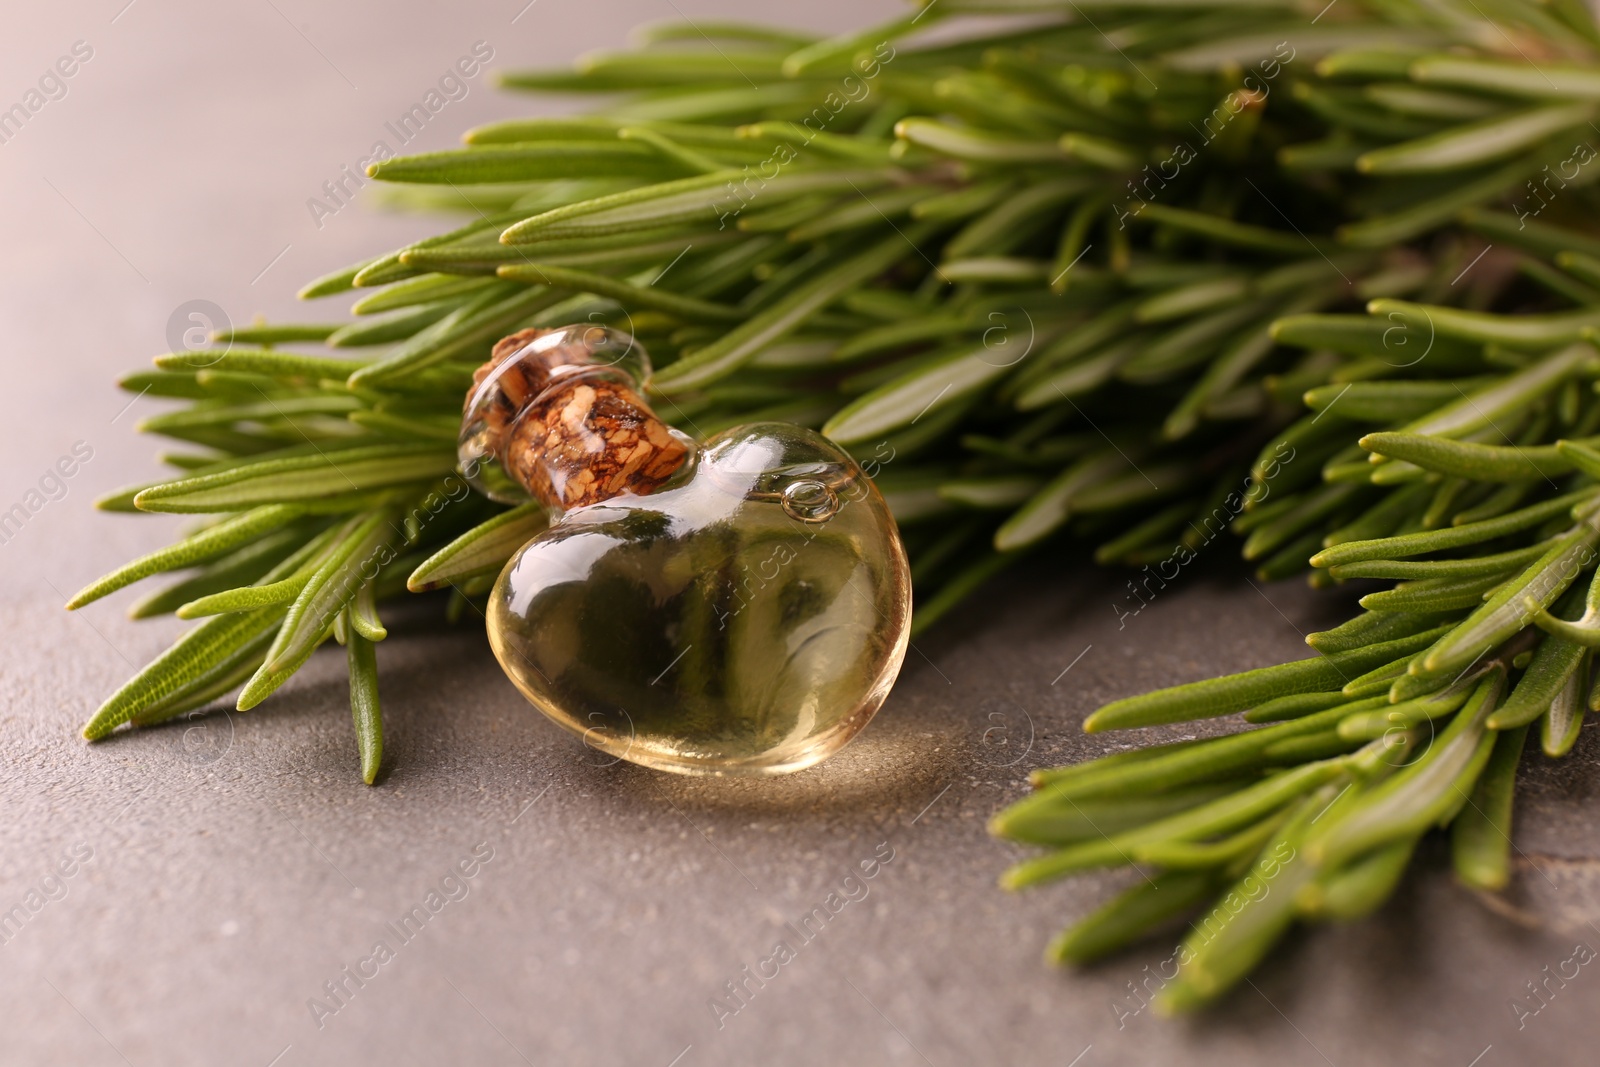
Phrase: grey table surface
pixel 221 875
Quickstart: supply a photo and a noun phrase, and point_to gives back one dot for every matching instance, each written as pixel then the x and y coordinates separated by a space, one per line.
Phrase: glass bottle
pixel 738 605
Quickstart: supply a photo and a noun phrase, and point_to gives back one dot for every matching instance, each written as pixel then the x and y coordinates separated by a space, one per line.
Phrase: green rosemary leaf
pixel 686 158
pixel 1431 103
pixel 122 499
pixel 1423 542
pixel 299 479
pixel 182 384
pixel 1131 914
pixel 1188 345
pixel 668 68
pixel 1226 231
pixel 362 613
pixel 1338 152
pixel 1521 331
pixel 974 199
pixel 239 567
pixel 899 334
pixel 1008 223
pixel 247 598
pixel 220 678
pixel 1356 891
pixel 1375 63
pixel 721 358
pixel 1222 853
pixel 1295 706
pixel 1371 628
pixel 990 492
pixel 1562 723
pixel 1049 508
pixel 1540 238
pixel 1409 686
pixel 699 202
pixel 1380 678
pixel 542 128
pixel 390 425
pixel 364 702
pixel 1047 819
pixel 704 29
pixel 421 290
pixel 1291 560
pixel 1389 401
pixel 1225 943
pixel 1480 837
pixel 687 308
pixel 201 548
pixel 1483 406
pixel 929 388
pixel 1186 300
pixel 1498 563
pixel 1113 764
pixel 1421 793
pixel 1584 634
pixel 265 361
pixel 1580 455
pixel 280 585
pixel 1557 282
pixel 467 329
pixel 482 549
pixel 1311 508
pixel 1168 767
pixel 1379 231
pixel 1506 612
pixel 1434 594
pixel 395 326
pixel 355 551
pixel 189 660
pixel 1105 328
pixel 387 270
pixel 1159 530
pixel 1369 724
pixel 1231 52
pixel 997 270
pixel 271 408
pixel 1236 358
pixel 1464 459
pixel 1221 696
pixel 1581 265
pixel 1065 381
pixel 838 52
pixel 958 588
pixel 976 145
pixel 339 281
pixel 1201 821
pixel 274 335
pixel 535 161
pixel 1544 80
pixel 1363 335
pixel 1496 503
pixel 1485 141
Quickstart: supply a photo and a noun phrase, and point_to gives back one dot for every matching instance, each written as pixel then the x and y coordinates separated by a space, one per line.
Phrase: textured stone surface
pixel 234 868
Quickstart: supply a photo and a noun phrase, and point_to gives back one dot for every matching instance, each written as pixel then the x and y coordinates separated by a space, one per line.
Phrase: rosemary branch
pixel 1330 278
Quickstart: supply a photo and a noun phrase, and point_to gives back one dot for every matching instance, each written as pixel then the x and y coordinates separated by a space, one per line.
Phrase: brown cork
pixel 573 436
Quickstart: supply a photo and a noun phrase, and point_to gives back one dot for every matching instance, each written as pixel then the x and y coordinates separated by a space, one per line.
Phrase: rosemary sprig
pixel 1334 285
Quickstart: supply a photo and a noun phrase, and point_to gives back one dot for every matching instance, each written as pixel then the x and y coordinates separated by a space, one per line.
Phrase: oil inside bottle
pixel 748 617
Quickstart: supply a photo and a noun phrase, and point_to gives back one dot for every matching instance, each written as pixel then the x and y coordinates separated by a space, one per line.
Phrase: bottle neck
pixel 565 420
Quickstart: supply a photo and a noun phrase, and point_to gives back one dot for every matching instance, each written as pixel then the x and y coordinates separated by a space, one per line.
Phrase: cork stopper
pixel 559 412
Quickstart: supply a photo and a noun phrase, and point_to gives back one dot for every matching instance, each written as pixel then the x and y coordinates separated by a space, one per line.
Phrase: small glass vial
pixel 738 605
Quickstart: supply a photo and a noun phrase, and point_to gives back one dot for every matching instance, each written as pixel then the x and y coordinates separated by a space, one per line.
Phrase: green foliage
pixel 1323 275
